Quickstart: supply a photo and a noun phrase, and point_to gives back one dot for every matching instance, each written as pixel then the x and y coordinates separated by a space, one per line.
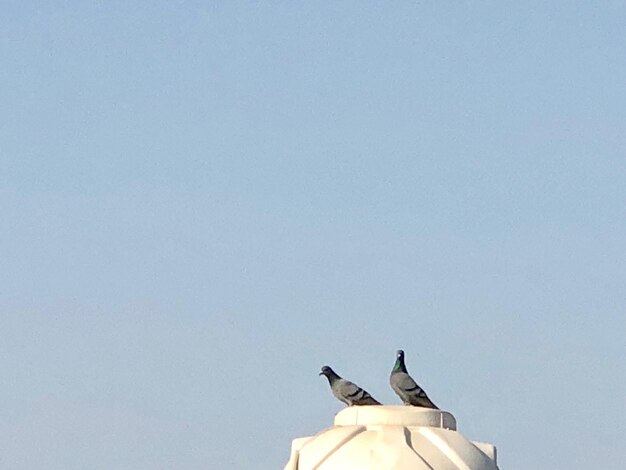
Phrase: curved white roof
pixel 391 437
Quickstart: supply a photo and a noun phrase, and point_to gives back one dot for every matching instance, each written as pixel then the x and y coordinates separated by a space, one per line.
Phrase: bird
pixel 405 387
pixel 345 391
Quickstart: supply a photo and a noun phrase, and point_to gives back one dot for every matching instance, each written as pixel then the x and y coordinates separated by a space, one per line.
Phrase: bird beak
pixel 321 373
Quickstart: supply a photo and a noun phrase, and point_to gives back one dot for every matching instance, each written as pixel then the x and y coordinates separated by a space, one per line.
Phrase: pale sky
pixel 202 203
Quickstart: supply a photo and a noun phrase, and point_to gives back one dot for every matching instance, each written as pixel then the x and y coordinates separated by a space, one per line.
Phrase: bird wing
pixel 356 395
pixel 407 384
pixel 404 384
pixel 350 390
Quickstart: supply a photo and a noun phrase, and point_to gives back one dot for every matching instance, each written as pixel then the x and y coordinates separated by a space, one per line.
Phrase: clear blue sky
pixel 201 203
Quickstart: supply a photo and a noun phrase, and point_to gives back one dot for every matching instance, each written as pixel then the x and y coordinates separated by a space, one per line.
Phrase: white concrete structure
pixel 391 438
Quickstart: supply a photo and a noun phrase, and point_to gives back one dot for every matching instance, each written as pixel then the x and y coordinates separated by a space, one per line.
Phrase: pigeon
pixel 405 387
pixel 346 391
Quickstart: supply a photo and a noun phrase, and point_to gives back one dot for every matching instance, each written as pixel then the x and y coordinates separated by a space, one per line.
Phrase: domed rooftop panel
pixel 391 437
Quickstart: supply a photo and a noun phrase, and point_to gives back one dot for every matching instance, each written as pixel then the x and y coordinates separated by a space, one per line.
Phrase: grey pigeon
pixel 346 391
pixel 405 387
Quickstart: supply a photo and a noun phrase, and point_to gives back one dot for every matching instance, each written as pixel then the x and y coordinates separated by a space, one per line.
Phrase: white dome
pixel 391 437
